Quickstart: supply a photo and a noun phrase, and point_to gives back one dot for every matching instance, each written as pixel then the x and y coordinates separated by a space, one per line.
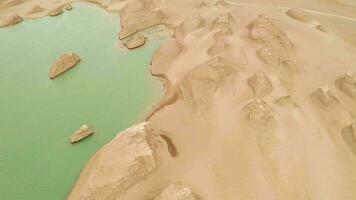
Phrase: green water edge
pixel 111 89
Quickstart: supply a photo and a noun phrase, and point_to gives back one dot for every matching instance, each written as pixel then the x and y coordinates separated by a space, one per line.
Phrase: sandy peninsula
pixel 260 102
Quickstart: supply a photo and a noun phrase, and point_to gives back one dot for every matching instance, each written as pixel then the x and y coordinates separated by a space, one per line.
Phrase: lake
pixel 110 89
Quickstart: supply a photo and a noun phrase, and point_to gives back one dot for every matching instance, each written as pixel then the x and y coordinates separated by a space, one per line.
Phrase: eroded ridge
pixel 323 99
pixel 119 165
pixel 138 15
pixel 177 191
pixel 278 51
pixel 220 47
pixel 260 118
pixel 260 84
pixel 190 24
pixel 165 55
pixel 347 85
pixel 10 20
pixel 349 136
pixel 299 15
pixel 201 83
pixel 64 63
pixel 225 22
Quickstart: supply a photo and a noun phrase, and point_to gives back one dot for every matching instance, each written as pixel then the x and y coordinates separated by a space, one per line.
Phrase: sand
pixel 259 104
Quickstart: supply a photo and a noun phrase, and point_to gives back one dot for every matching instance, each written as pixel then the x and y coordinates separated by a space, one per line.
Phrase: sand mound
pixel 165 55
pixel 203 81
pixel 225 22
pixel 349 136
pixel 64 63
pixel 10 3
pixel 221 46
pixel 299 15
pixel 119 165
pixel 176 191
pixel 11 20
pixel 35 9
pixel 347 85
pixel 322 28
pixel 260 84
pixel 56 11
pixel 189 25
pixel 261 120
pixel 138 15
pixel 278 51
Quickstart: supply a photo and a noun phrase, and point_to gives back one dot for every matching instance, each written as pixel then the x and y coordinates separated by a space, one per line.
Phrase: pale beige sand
pixel 260 103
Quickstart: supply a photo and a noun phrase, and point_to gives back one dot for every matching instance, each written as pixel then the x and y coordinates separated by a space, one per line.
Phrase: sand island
pixel 260 102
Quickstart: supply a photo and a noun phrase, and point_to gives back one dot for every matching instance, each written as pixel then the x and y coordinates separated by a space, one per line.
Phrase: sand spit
pixel 257 105
pixel 64 63
pixel 136 41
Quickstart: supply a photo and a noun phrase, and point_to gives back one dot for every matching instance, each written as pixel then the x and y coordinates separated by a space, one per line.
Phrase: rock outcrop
pixel 64 63
pixel 83 132
pixel 119 165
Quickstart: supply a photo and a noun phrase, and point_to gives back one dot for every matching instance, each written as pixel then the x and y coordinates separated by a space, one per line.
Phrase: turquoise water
pixel 110 89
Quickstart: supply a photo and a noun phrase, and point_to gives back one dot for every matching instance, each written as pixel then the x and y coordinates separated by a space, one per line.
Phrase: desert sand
pixel 260 102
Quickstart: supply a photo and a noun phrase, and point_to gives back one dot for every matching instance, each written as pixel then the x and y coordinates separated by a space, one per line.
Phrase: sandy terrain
pixel 260 102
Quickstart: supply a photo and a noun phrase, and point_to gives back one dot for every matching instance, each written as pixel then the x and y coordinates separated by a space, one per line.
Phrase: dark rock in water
pixel 65 62
pixel 83 132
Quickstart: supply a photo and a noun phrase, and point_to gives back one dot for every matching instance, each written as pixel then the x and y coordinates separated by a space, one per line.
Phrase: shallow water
pixel 110 89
